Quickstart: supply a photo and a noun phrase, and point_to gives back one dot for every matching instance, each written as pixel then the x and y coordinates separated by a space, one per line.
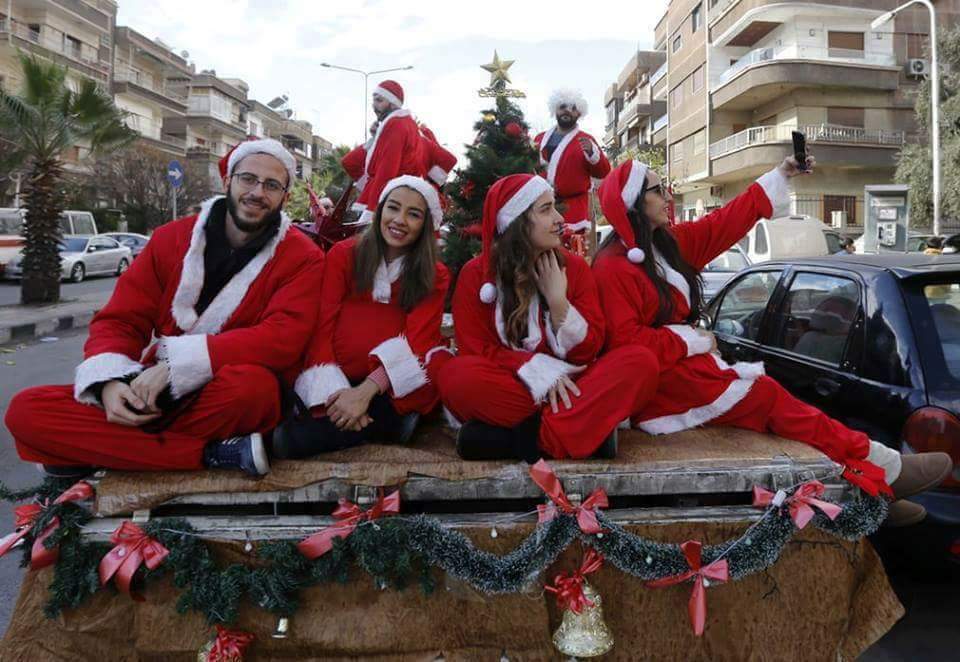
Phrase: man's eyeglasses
pixel 249 181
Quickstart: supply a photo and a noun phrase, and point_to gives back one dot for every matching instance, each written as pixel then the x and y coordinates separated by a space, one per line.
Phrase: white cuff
pixel 775 185
pixel 593 160
pixel 438 175
pixel 541 373
pixel 570 334
pixel 579 226
pixel 402 365
pixel 696 343
pixel 189 362
pixel 887 459
pixel 315 385
pixel 101 368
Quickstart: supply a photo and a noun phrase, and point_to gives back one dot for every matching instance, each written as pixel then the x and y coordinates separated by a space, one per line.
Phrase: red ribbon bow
pixel 568 587
pixel 716 571
pixel 800 502
pixel 350 516
pixel 229 645
pixel 586 512
pixel 867 476
pixel 26 515
pixel 133 548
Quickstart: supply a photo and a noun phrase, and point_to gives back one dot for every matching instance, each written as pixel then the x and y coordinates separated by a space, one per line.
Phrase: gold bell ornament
pixel 583 632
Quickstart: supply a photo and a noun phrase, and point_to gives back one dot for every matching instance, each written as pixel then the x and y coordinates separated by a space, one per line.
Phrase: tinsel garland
pixel 393 550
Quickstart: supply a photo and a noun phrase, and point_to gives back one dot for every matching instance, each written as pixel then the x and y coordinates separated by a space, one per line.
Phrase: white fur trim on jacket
pixel 534 336
pixel 101 368
pixel 189 360
pixel 570 334
pixel 595 158
pixel 775 185
pixel 734 393
pixel 696 343
pixel 402 365
pixel 385 276
pixel 436 350
pixel 557 153
pixel 541 373
pixel 372 144
pixel 744 369
pixel 887 459
pixel 579 226
pixel 438 175
pixel 672 276
pixel 230 297
pixel 315 385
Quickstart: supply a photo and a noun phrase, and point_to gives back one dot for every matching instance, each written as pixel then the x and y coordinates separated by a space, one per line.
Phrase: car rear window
pixel 943 304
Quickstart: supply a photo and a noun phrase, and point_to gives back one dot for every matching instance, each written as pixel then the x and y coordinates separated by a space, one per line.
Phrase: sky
pixel 277 48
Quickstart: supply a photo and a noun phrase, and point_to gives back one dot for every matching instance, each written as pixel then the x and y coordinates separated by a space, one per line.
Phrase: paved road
pixel 928 632
pixel 10 289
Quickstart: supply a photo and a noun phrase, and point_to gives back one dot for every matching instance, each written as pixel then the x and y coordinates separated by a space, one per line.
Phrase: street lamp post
pixel 934 97
pixel 366 75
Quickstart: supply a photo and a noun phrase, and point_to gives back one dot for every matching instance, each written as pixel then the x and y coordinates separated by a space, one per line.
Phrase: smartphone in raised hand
pixel 800 150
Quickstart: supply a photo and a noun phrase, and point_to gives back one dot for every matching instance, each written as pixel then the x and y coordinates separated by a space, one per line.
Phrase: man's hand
pixel 149 384
pixel 790 166
pixel 348 408
pixel 561 391
pixel 119 402
pixel 587 146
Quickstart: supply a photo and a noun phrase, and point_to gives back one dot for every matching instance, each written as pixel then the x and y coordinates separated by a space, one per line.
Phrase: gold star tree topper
pixel 498 69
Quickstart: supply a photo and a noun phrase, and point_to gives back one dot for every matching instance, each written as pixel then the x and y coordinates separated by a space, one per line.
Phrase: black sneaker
pixel 406 427
pixel 246 453
pixel 608 449
pixel 65 472
pixel 479 441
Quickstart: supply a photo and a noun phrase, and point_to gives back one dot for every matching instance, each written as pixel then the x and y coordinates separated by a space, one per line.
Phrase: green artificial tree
pixel 502 147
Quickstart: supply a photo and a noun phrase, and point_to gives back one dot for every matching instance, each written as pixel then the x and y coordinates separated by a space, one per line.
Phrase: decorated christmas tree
pixel 502 147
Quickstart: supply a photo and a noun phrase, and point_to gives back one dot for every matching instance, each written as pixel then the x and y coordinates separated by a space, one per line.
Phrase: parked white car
pixel 785 237
pixel 721 269
pixel 84 256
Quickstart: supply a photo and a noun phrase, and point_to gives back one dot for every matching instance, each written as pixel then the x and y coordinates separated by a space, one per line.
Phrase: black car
pixel 872 340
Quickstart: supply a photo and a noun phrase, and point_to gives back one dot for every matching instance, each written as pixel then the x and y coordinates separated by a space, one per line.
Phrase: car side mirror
pixel 91 249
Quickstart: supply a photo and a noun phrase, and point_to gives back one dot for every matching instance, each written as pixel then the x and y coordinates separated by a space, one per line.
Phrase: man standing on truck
pixel 182 368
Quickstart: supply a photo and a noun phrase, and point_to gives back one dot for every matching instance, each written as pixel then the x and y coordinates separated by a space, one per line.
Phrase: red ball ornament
pixel 513 130
pixel 467 189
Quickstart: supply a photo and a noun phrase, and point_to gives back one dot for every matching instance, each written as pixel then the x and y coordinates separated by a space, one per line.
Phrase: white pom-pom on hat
pixel 488 293
pixel 636 255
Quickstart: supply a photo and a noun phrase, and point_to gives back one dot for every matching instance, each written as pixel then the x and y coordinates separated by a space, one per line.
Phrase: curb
pixel 40 328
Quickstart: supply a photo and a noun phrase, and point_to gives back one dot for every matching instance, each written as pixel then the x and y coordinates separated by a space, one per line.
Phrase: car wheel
pixel 78 272
pixel 122 266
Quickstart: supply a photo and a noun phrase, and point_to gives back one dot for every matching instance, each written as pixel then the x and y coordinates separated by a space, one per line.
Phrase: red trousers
pixel 49 426
pixel 616 384
pixel 768 407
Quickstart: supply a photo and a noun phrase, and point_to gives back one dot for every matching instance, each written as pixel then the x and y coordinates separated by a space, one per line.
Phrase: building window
pixel 847 203
pixel 676 152
pixel 845 116
pixel 699 142
pixel 916 45
pixel 696 18
pixel 676 96
pixel 34 32
pixel 844 44
pixel 677 43
pixel 697 83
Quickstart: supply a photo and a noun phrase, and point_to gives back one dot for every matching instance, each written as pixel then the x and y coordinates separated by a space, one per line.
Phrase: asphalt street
pixel 10 289
pixel 927 632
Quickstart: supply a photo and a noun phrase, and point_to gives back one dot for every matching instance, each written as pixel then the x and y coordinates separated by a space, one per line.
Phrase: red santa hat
pixel 618 193
pixel 424 188
pixel 258 146
pixel 506 201
pixel 391 91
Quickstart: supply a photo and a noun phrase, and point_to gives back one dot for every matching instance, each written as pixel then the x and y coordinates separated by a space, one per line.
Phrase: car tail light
pixel 935 429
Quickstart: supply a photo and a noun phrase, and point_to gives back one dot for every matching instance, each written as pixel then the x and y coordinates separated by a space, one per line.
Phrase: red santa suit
pixel 251 335
pixel 696 386
pixel 393 151
pixel 359 333
pixel 501 384
pixel 570 171
pixel 437 162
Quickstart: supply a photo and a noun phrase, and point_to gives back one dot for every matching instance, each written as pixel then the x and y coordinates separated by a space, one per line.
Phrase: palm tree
pixel 41 123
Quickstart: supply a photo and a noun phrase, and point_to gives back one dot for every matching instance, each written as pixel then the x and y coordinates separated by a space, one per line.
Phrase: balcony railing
pixel 661 122
pixel 797 52
pixel 51 39
pixel 126 74
pixel 658 74
pixel 820 133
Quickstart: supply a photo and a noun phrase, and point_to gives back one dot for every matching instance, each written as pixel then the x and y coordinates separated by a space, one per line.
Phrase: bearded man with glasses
pixel 184 366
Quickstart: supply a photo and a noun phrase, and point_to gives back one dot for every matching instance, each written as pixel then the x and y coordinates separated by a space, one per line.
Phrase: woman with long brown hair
pixel 648 272
pixel 527 381
pixel 365 376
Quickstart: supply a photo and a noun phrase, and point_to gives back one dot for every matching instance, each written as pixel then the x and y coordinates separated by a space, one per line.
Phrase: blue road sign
pixel 175 174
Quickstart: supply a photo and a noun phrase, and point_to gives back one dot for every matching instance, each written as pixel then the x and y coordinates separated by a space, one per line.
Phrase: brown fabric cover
pixel 824 600
pixel 433 454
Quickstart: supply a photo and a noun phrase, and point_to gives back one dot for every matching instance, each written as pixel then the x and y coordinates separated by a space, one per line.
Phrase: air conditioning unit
pixel 918 67
pixel 838 219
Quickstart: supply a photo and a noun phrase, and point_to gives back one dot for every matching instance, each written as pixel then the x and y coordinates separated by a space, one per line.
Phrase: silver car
pixel 721 269
pixel 84 256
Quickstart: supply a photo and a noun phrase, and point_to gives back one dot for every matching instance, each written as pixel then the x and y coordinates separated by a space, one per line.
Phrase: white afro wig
pixel 567 97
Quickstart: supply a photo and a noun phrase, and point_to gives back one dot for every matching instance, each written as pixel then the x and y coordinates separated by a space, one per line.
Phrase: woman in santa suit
pixel 650 288
pixel 527 381
pixel 365 377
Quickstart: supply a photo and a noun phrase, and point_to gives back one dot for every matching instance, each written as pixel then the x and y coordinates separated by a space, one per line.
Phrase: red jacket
pixel 437 162
pixel 569 171
pixel 545 356
pixel 356 334
pixel 263 315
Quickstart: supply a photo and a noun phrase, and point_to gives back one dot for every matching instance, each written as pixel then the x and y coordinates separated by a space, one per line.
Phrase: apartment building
pixel 741 75
pixel 630 104
pixel 276 120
